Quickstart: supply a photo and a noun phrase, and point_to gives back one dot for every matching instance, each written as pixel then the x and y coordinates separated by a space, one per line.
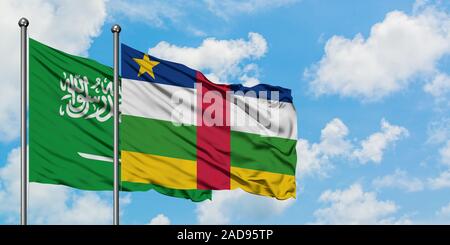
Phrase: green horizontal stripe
pixel 194 195
pixel 271 154
pixel 158 137
pixel 249 151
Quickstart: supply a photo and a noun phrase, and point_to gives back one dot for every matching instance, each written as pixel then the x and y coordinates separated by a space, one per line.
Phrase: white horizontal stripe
pixel 263 117
pixel 178 105
pixel 159 101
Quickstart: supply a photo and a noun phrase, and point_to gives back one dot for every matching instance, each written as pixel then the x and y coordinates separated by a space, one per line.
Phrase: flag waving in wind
pixel 179 130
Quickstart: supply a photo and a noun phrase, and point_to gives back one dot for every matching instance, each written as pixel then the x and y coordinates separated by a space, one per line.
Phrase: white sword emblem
pixel 95 157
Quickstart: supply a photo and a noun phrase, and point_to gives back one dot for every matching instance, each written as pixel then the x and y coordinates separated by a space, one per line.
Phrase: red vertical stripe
pixel 213 142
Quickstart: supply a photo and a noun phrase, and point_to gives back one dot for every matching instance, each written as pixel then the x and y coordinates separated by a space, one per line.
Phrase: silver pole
pixel 23 23
pixel 116 30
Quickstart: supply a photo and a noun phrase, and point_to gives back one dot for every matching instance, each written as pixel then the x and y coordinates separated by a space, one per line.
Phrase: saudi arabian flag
pixel 71 124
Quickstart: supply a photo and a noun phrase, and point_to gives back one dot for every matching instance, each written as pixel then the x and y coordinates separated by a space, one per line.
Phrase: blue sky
pixel 370 81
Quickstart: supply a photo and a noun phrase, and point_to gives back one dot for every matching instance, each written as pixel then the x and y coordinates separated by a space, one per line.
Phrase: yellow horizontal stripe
pixel 280 186
pixel 163 171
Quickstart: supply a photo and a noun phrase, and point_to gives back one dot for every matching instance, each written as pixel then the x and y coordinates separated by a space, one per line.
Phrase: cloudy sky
pixel 370 80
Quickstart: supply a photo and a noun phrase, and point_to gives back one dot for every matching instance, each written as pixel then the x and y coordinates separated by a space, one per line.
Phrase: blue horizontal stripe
pixel 165 72
pixel 264 91
pixel 175 74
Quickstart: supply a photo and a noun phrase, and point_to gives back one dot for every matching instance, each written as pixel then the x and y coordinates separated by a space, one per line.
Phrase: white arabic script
pixel 84 100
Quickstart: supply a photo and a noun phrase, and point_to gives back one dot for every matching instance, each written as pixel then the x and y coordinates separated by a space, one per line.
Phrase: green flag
pixel 71 124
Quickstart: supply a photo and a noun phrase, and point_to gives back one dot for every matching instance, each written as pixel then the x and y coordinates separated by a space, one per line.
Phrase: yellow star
pixel 146 65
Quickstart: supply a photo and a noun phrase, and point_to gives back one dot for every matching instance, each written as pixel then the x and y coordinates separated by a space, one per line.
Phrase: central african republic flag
pixel 181 131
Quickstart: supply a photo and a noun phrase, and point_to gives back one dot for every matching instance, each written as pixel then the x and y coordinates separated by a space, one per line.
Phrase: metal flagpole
pixel 116 30
pixel 23 23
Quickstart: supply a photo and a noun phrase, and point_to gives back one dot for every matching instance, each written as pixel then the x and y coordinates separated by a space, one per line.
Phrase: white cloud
pixel 160 219
pixel 439 86
pixel 333 140
pixel 354 206
pixel 444 152
pixel 399 179
pixel 314 159
pixel 228 8
pixel 50 204
pixel 439 131
pixel 66 25
pixel 250 75
pixel 396 50
pixel 236 205
pixel 310 160
pixel 227 66
pixel 441 181
pixel 373 147
pixel 9 183
pixel 444 211
pixel 439 134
